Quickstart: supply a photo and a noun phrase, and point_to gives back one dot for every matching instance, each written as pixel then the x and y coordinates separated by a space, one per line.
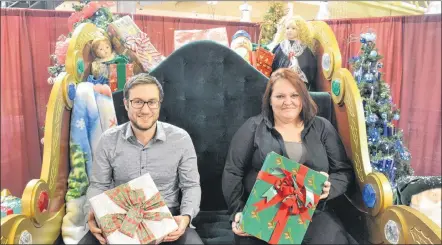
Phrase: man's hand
pixel 183 222
pixel 326 188
pixel 94 228
pixel 235 226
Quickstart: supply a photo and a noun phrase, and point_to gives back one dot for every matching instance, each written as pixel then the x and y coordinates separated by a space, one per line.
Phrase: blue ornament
pixel 373 54
pixel 368 77
pixel 373 134
pixel 385 129
pixel 369 196
pixel 363 40
pixel 71 91
pixel 396 117
pixel 372 118
pixel 405 156
pixel 388 164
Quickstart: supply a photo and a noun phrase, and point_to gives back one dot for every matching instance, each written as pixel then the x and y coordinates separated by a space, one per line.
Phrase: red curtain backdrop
pixel 421 92
pixel 388 42
pixel 411 47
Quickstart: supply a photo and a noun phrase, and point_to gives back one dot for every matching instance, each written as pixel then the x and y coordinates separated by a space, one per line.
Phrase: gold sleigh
pixel 44 227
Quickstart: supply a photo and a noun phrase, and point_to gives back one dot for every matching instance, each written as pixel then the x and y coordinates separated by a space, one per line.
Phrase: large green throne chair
pixel 210 91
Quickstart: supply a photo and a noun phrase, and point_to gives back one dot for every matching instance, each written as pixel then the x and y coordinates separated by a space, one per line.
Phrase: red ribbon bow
pixel 292 199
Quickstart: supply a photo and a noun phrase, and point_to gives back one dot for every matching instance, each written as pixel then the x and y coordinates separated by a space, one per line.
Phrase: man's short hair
pixel 140 79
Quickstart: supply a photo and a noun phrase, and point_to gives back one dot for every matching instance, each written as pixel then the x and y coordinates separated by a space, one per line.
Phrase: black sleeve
pixel 313 67
pixel 238 158
pixel 341 173
pixel 275 58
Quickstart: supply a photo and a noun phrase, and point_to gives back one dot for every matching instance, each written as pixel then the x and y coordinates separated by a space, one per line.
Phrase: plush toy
pixel 102 50
pixel 294 49
pixel 242 45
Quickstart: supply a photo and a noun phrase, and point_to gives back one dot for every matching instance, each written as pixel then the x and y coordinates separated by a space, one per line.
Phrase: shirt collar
pixel 160 134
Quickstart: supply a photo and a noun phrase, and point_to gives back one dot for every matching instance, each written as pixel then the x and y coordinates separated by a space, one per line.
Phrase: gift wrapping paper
pixel 129 40
pixel 117 81
pixel 282 202
pixel 133 213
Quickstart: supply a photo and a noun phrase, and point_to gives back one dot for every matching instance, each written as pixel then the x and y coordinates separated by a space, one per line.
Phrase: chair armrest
pixel 401 224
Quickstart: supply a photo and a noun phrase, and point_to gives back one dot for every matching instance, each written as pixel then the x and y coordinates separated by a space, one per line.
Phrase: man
pixel 146 145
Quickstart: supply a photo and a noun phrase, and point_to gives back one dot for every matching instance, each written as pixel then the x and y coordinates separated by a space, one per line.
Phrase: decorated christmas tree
pixel 271 19
pixel 385 142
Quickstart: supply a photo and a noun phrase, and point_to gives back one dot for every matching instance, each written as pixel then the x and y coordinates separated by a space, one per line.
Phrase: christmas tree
pixel 387 151
pixel 270 24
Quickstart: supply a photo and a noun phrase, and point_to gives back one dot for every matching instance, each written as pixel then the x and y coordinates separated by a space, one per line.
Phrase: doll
pixel 242 45
pixel 102 50
pixel 295 49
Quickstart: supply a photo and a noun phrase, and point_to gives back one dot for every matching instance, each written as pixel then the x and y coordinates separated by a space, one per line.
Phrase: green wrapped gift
pixel 120 70
pixel 282 201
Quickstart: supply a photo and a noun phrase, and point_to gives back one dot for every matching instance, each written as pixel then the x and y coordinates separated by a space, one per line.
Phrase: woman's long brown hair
pixel 309 107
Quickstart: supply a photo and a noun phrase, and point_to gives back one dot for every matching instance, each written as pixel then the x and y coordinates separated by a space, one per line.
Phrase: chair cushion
pixel 214 227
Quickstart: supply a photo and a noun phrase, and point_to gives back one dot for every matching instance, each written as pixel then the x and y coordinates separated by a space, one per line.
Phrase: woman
pixel 288 125
pixel 294 50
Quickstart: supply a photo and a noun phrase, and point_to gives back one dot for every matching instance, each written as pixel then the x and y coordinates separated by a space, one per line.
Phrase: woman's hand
pixel 326 188
pixel 235 226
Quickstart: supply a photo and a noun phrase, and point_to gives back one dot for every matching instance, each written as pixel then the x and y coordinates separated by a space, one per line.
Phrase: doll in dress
pixel 102 50
pixel 294 49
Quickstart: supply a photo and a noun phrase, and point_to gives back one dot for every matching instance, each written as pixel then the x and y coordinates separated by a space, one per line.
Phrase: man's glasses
pixel 138 104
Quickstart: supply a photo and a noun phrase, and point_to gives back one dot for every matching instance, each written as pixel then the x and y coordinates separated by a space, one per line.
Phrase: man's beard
pixel 137 126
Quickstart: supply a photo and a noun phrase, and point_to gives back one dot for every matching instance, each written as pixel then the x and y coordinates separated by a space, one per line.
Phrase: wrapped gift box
pixel 118 77
pixel 119 72
pixel 282 201
pixel 133 213
pixel 129 40
pixel 264 61
pixel 182 37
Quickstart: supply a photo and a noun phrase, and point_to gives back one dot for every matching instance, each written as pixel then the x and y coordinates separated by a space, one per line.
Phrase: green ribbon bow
pixel 120 61
pixel 135 204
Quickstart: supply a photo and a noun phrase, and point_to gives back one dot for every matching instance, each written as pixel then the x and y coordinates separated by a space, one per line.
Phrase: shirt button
pixel 142 167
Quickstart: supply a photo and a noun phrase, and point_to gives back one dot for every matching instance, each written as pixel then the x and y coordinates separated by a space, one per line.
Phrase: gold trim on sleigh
pixel 411 226
pixel 44 227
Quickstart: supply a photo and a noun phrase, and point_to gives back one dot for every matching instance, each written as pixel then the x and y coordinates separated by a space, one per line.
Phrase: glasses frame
pixel 157 104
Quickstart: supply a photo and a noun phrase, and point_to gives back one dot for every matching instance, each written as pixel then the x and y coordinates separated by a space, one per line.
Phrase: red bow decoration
pixel 291 194
pixel 140 45
pixel 137 208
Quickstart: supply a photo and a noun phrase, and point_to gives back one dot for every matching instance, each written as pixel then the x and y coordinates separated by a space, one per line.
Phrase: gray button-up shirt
pixel 169 158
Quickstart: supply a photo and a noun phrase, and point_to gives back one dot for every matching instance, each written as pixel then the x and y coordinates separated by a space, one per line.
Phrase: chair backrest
pixel 325 105
pixel 210 91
